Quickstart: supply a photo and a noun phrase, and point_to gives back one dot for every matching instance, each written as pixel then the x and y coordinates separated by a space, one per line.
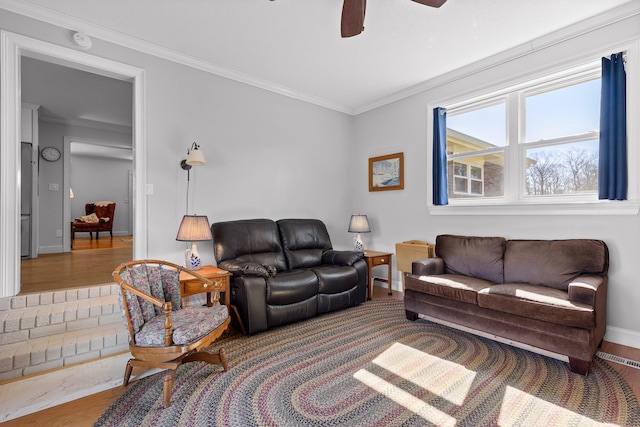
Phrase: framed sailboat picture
pixel 386 172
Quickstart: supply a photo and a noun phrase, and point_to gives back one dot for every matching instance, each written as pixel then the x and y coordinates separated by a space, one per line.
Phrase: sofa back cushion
pixel 554 263
pixel 253 240
pixel 304 241
pixel 480 257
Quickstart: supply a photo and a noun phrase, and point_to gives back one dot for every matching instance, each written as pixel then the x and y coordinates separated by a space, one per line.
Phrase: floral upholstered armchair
pixel 162 333
pixel 99 217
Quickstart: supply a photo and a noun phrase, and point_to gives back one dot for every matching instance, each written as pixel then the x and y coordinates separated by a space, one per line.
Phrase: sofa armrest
pixel 585 289
pixel 334 257
pixel 426 267
pixel 248 268
pixel 249 295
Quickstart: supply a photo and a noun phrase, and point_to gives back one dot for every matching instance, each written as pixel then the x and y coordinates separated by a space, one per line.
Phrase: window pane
pixel 459 169
pixel 460 185
pixel 476 172
pixel 562 169
pixel 480 129
pixel 488 177
pixel 571 110
pixel 476 187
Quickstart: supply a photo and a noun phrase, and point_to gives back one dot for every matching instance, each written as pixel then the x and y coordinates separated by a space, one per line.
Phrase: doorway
pixel 14 48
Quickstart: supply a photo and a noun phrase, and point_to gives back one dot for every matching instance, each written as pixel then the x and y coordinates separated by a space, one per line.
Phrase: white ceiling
pixel 294 46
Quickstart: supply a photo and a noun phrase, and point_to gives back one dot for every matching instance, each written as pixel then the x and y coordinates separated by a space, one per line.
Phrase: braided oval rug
pixel 369 366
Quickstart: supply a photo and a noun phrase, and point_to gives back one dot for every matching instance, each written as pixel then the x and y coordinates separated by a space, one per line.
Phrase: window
pixel 467 179
pixel 536 142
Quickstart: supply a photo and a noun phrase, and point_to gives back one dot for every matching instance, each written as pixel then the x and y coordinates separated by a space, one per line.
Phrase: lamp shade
pixel 194 228
pixel 359 224
pixel 195 157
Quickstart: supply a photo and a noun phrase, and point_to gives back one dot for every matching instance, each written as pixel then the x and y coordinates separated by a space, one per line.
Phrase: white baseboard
pixel 621 336
pixel 50 249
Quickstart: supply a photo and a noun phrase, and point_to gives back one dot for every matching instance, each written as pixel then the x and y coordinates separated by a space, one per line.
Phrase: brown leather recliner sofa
pixel 548 296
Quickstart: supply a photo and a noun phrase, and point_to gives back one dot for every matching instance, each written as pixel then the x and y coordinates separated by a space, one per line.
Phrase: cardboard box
pixel 412 250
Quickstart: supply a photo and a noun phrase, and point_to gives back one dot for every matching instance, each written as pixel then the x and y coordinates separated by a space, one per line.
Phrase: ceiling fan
pixel 353 15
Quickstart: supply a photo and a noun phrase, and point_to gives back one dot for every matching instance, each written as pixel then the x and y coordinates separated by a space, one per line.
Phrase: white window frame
pixel 513 203
pixel 468 178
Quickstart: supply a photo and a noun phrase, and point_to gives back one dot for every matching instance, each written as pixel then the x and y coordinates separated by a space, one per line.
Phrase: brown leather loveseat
pixel 543 295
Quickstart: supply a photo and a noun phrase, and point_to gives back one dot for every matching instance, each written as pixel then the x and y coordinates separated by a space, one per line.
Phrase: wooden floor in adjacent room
pixel 85 411
pixel 91 262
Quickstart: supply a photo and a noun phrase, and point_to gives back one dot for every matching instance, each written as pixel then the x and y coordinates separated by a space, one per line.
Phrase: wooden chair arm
pixel 153 300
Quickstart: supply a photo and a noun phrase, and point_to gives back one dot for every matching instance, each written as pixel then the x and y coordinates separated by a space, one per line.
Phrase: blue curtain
pixel 440 190
pixel 612 171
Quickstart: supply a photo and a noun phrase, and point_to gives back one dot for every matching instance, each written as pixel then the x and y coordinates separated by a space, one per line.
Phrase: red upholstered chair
pixel 104 211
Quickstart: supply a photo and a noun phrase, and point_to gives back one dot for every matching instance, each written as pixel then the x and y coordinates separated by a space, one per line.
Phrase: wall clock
pixel 50 154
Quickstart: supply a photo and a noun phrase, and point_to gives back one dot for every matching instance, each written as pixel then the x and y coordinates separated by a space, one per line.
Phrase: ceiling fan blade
pixel 432 3
pixel 352 17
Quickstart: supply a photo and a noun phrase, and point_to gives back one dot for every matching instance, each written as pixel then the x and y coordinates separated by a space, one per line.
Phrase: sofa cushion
pixel 537 302
pixel 333 279
pixel 304 241
pixel 451 286
pixel 480 257
pixel 290 287
pixel 553 263
pixel 250 240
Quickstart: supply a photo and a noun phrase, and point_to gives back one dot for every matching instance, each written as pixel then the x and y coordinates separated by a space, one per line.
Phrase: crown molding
pixel 86 123
pixel 586 26
pixel 74 24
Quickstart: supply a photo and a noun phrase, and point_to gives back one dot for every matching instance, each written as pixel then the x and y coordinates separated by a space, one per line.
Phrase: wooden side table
pixel 373 259
pixel 190 285
pixel 222 278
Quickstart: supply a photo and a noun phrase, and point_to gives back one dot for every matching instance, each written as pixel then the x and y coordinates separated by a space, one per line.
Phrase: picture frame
pixel 386 172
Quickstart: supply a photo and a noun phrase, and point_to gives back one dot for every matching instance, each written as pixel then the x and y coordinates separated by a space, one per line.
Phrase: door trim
pixel 12 48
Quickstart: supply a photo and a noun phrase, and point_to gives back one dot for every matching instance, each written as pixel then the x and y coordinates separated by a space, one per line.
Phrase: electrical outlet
pixel 54 187
pixel 58 233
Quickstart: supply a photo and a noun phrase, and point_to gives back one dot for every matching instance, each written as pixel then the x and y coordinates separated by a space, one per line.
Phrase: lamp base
pixel 192 258
pixel 358 244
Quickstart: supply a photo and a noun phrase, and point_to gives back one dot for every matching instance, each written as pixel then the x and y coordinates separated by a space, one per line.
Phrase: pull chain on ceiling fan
pixel 353 15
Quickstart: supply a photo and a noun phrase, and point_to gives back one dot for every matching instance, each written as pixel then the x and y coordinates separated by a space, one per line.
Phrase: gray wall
pixel 404 215
pixel 91 179
pixel 267 155
pixel 272 156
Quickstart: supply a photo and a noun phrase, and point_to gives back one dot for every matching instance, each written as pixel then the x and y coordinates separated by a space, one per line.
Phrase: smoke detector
pixel 82 40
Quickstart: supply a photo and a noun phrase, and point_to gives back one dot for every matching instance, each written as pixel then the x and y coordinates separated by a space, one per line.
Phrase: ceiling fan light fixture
pixel 432 3
pixel 352 22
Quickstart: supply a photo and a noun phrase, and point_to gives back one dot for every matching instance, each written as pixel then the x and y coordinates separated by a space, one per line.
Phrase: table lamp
pixel 194 228
pixel 358 224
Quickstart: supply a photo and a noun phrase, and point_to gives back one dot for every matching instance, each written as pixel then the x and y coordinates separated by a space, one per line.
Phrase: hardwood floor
pixel 85 411
pixel 91 262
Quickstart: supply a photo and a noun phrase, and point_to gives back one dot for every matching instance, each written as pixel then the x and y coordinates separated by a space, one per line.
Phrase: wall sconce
pixel 194 228
pixel 194 158
pixel 359 224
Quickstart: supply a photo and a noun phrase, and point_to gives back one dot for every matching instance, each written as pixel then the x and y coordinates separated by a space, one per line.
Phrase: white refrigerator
pixel 25 201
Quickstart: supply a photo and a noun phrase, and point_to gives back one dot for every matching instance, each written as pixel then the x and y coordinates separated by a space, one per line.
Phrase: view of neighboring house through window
pixel 535 141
